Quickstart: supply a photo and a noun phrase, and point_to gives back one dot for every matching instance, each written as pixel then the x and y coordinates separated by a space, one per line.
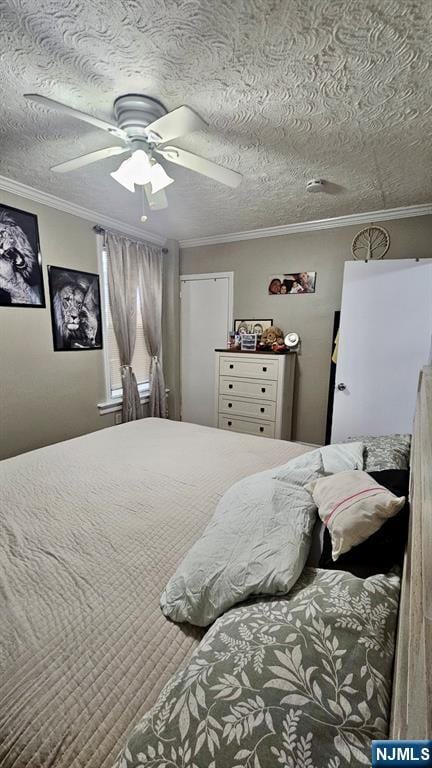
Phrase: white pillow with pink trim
pixel 353 506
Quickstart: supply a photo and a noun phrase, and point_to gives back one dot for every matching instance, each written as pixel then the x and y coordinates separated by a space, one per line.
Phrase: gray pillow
pixel 302 681
pixel 257 543
pixel 385 452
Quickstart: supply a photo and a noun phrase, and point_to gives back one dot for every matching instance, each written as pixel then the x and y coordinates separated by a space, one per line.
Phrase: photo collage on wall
pixel 295 282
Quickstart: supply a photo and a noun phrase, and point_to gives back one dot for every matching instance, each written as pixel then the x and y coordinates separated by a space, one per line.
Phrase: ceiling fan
pixel 145 127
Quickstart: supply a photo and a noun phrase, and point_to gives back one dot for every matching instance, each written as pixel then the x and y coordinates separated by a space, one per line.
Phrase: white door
pixel 206 319
pixel 384 340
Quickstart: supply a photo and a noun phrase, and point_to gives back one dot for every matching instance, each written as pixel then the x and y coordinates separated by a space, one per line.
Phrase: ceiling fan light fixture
pixel 123 179
pixel 159 178
pixel 137 169
pixel 141 167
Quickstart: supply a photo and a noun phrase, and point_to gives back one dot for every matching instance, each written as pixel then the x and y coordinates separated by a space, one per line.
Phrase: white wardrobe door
pixel 384 340
pixel 205 323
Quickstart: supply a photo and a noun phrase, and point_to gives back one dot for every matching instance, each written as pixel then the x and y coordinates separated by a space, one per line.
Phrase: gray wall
pixel 47 396
pixel 325 252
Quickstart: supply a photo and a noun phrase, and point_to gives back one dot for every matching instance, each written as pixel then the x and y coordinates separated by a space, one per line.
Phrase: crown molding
pixel 311 226
pixel 45 198
pixel 30 193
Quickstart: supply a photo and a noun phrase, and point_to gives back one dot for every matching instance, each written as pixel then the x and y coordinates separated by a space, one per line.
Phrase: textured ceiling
pixel 291 89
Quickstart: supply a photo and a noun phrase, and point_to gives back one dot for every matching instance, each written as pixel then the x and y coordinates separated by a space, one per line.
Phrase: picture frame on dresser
pixel 248 342
pixel 252 325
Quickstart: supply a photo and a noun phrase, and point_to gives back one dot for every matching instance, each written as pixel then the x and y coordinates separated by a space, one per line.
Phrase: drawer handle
pixel 230 423
pixel 262 389
pixel 264 368
pixel 262 410
pixel 261 429
pixel 231 365
pixel 229 405
pixel 230 386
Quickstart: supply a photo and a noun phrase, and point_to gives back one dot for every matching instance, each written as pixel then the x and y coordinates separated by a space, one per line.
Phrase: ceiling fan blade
pixel 91 157
pixel 200 165
pixel 157 201
pixel 76 113
pixel 176 123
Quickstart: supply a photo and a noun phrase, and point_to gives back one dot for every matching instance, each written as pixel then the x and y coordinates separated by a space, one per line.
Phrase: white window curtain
pixel 150 294
pixel 141 357
pixel 136 266
pixel 122 284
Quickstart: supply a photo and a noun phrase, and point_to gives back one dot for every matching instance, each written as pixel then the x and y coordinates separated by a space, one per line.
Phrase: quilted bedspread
pixel 90 531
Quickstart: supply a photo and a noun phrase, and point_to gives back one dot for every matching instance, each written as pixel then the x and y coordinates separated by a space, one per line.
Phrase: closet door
pixel 206 319
pixel 384 339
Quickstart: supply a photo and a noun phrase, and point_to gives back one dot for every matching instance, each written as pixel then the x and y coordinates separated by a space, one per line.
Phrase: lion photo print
pixel 75 309
pixel 21 280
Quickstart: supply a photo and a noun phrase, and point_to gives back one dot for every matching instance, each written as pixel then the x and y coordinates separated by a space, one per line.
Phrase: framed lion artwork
pixel 21 279
pixel 75 309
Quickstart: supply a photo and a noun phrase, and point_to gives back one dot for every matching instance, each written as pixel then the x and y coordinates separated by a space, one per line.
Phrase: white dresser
pixel 254 393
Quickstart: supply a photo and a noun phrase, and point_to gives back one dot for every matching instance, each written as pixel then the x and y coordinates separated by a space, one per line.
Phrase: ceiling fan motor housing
pixel 134 113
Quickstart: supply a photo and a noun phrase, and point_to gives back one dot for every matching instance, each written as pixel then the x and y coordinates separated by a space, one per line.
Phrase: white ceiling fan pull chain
pixel 143 218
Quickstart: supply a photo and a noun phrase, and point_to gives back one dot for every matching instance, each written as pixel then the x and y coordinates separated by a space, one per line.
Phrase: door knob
pixel 341 386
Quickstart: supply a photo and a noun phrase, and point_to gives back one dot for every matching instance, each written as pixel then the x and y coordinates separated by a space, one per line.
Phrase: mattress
pixel 90 531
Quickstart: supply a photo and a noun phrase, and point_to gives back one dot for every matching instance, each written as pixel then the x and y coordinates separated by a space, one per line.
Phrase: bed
pixel 90 531
pixel 411 715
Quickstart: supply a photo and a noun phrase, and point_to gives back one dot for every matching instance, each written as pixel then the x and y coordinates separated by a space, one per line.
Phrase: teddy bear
pixel 272 338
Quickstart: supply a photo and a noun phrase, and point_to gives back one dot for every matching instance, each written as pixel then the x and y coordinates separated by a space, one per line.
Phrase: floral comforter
pixel 301 681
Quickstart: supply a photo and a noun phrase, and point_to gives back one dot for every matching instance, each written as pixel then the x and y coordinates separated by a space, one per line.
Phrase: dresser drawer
pixel 256 409
pixel 260 389
pixel 249 368
pixel 235 424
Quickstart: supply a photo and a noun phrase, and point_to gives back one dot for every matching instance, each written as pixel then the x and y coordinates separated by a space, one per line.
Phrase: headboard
pixel 411 715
